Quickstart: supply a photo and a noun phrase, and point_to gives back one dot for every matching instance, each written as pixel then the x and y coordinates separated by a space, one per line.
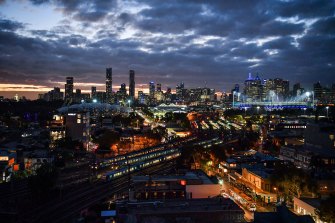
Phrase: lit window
pixel 78 120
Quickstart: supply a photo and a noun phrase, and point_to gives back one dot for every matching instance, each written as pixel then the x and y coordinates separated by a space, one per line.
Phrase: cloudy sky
pixel 218 42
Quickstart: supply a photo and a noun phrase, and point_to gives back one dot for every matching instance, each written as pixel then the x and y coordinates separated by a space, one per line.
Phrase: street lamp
pixel 327 108
pixel 304 111
pixel 245 111
pixel 258 109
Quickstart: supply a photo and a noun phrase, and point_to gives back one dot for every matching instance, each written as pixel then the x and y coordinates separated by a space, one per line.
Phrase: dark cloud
pixel 9 25
pixel 171 41
pixel 305 9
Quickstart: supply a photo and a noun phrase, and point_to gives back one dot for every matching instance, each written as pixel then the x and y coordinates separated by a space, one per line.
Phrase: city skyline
pixel 217 43
pixel 145 87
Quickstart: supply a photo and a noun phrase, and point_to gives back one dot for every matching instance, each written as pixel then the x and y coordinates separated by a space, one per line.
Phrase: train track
pixel 63 210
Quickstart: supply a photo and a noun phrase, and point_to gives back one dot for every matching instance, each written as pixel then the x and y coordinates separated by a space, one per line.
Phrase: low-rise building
pixel 210 210
pixel 282 214
pixel 190 185
pixel 258 178
pixel 307 206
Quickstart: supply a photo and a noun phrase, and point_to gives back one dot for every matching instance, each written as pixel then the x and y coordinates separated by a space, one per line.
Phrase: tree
pixel 44 180
pixel 106 139
pixel 326 211
pixel 292 181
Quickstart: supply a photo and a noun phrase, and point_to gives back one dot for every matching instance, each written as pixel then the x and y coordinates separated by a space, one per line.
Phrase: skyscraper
pixel 180 91
pixel 132 84
pixel 109 89
pixel 253 88
pixel 94 92
pixel 69 89
pixel 152 90
pixel 159 87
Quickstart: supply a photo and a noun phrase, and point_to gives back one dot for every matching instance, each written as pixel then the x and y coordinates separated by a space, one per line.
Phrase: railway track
pixel 64 210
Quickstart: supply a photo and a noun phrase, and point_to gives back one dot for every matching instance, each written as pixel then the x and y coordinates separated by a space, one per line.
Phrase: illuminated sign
pixel 71 114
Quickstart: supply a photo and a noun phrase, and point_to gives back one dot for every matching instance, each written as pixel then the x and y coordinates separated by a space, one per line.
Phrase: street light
pixel 258 109
pixel 245 111
pixel 304 111
pixel 327 108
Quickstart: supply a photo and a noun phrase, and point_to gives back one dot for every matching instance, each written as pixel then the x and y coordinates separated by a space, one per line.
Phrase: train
pixel 133 167
pixel 140 155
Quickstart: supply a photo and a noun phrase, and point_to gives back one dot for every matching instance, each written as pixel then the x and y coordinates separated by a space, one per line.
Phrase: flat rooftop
pixel 197 175
pixel 172 206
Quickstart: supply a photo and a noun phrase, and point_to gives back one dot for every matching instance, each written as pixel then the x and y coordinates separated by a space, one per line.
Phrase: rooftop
pixel 196 175
pixel 191 205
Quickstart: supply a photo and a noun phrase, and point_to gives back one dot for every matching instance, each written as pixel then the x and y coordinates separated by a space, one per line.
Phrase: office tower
pixel 152 90
pixel 78 95
pixel 159 87
pixel 132 84
pixel 180 91
pixel 237 88
pixel 109 89
pixel 121 94
pixel 253 88
pixel 317 88
pixel 168 94
pixel 94 92
pixel 69 89
pixel 297 90
pixel 123 89
pixel 281 88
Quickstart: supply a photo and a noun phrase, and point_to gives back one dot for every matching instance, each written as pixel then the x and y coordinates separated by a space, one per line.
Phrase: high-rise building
pixel 253 88
pixel 297 90
pixel 152 90
pixel 317 88
pixel 159 87
pixel 168 94
pixel 282 88
pixel 69 89
pixel 132 84
pixel 109 89
pixel 121 94
pixel 94 92
pixel 180 90
pixel 78 96
pixel 53 95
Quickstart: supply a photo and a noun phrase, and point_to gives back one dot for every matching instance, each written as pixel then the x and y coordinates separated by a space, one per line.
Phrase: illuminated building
pixel 77 126
pixel 109 89
pixel 53 95
pixel 253 89
pixel 180 91
pixel 152 91
pixel 121 94
pixel 69 90
pixel 132 84
pixel 298 90
pixel 94 92
pixel 159 87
